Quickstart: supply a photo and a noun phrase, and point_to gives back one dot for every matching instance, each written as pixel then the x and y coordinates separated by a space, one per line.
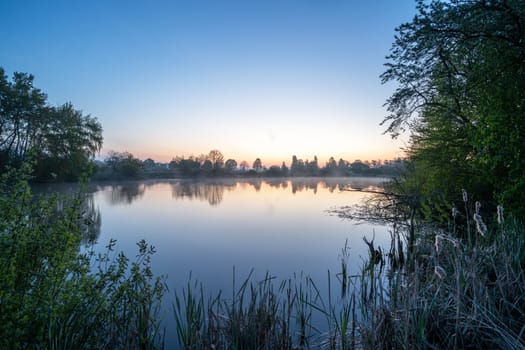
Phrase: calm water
pixel 209 227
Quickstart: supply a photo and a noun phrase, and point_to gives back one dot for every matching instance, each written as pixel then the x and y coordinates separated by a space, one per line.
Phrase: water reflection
pixel 124 193
pixel 213 191
pixel 91 220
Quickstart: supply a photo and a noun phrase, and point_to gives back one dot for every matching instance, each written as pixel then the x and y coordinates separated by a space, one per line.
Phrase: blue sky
pixel 265 79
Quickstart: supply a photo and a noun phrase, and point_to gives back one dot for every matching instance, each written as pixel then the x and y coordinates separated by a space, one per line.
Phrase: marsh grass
pixel 276 314
pixel 451 294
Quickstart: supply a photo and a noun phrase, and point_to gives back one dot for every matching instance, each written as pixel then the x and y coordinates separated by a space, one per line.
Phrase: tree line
pixel 61 143
pixel 120 165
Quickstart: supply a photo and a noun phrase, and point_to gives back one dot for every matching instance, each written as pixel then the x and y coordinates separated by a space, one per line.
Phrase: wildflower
pixel 480 225
pixel 465 196
pixel 440 272
pixel 500 214
pixel 478 207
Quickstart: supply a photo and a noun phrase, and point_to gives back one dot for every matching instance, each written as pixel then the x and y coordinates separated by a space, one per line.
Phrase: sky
pixel 261 79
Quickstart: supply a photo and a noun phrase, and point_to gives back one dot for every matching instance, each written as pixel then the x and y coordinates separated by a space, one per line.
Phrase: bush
pixel 53 295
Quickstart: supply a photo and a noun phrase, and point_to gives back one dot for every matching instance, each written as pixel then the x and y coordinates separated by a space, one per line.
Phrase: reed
pixel 454 294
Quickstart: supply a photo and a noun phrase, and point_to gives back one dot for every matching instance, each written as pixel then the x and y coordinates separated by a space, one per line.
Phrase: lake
pixel 208 227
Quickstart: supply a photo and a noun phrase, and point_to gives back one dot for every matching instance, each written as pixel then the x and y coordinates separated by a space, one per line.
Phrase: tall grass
pixel 451 294
pixel 276 314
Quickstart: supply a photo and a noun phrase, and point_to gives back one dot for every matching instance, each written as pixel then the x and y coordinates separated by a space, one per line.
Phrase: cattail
pixel 454 212
pixel 480 225
pixel 500 214
pixel 442 237
pixel 465 195
pixel 478 207
pixel 440 272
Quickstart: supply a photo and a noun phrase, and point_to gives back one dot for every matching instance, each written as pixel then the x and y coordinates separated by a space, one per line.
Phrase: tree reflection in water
pixel 202 190
pixel 91 220
pixel 212 192
pixel 125 193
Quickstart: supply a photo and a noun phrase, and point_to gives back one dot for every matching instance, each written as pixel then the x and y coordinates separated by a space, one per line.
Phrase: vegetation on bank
pixel 460 71
pixel 53 295
pixel 461 287
pixel 124 165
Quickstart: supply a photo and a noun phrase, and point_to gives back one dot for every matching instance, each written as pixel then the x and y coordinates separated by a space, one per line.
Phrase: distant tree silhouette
pixel 274 171
pixel 257 165
pixel 124 163
pixel 230 165
pixel 359 167
pixel 149 163
pixel 185 167
pixel 313 168
pixel 284 169
pixel 216 158
pixel 207 166
pixel 244 165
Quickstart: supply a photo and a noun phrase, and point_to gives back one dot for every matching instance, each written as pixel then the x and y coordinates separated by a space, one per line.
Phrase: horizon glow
pixel 262 79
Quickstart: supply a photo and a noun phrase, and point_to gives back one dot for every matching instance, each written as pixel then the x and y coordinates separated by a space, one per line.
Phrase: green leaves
pixel 460 67
pixel 61 140
pixel 54 296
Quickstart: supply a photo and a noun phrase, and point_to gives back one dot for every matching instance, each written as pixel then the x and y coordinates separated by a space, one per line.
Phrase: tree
pixel 274 171
pixel 23 115
pixel 331 164
pixel 230 165
pixel 124 164
pixel 284 169
pixel 257 165
pixel 297 167
pixel 460 66
pixel 207 166
pixel 313 167
pixel 185 167
pixel 359 167
pixel 216 158
pixel 149 163
pixel 69 142
pixel 342 165
pixel 62 140
pixel 244 165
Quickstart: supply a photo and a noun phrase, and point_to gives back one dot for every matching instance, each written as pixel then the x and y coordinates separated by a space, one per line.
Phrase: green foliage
pixel 124 164
pixel 61 140
pixel 461 72
pixel 54 296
